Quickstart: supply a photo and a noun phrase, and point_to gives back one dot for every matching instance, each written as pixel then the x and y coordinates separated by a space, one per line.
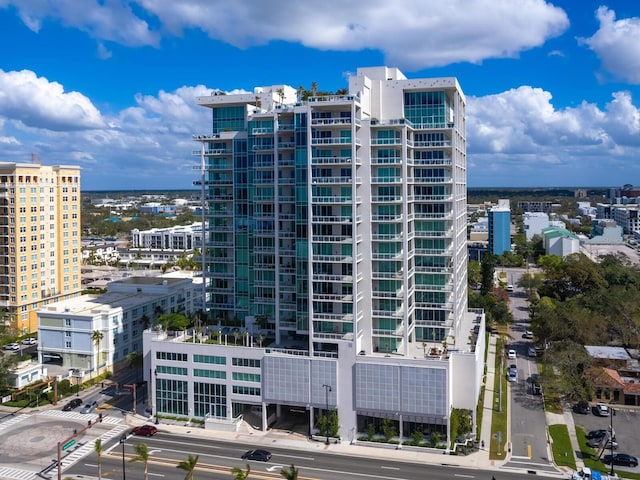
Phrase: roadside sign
pixel 69 444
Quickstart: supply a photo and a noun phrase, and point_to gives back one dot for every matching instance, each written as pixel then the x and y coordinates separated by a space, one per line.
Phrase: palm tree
pixel 96 338
pixel 135 360
pixel 290 473
pixel 314 88
pixel 189 465
pixel 97 447
pixel 143 456
pixel 239 474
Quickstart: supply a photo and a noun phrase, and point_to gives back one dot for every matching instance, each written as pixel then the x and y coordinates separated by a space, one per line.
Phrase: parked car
pixel 145 431
pixel 89 407
pixel 512 354
pixel 602 410
pixel 599 434
pixel 596 442
pixel 260 455
pixel 11 346
pixel 512 376
pixel 513 366
pixel 582 407
pixel 536 389
pixel 527 334
pixel 72 404
pixel 532 352
pixel 621 459
pixel 29 341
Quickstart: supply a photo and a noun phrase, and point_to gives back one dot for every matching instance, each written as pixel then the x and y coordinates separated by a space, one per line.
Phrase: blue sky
pixel 552 87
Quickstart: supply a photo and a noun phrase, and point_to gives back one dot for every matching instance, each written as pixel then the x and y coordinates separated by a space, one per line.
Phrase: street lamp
pixel 123 439
pixel 611 414
pixel 327 389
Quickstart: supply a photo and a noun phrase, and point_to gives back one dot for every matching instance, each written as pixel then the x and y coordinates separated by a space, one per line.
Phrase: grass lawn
pixel 499 418
pixel 561 446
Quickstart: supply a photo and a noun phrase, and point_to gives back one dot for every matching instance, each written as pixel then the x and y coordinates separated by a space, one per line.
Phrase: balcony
pixel 386 141
pixel 330 121
pixel 331 141
pixel 334 180
pixel 386 199
pixel 262 131
pixel 386 179
pixel 386 161
pixel 429 179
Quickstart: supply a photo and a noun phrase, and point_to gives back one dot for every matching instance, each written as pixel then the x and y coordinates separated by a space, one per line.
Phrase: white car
pixel 12 346
pixel 29 341
pixel 602 410
pixel 512 376
pixel 511 354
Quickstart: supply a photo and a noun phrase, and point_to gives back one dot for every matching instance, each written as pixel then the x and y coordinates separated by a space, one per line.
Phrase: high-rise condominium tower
pixel 337 222
pixel 40 248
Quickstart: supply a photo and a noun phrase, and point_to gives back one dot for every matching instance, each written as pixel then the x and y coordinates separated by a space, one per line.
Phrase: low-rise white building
pixel 560 241
pixel 66 329
pixel 182 237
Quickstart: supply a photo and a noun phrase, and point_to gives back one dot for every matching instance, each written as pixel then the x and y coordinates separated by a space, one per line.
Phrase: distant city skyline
pixel 552 87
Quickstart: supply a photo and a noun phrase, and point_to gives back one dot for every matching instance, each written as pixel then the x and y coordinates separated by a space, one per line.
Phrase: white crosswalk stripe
pixel 7 473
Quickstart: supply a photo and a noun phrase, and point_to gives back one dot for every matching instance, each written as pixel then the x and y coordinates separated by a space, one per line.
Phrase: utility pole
pixel 327 389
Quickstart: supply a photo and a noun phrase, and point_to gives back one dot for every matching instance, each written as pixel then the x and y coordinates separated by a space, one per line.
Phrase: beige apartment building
pixel 40 254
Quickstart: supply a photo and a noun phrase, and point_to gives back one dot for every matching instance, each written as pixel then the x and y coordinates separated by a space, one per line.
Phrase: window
pixel 210 359
pixel 245 362
pixel 171 370
pixel 176 357
pixel 246 377
pixel 199 372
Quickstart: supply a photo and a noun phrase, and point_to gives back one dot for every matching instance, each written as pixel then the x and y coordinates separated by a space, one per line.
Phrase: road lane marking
pixel 389 468
pixel 463 476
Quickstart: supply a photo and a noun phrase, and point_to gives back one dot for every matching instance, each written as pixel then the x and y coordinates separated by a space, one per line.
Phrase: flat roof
pixel 611 353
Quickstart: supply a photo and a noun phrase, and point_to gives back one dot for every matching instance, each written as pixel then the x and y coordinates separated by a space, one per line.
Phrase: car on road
pixel 582 407
pixel 72 404
pixel 596 442
pixel 602 410
pixel 512 376
pixel 89 407
pixel 512 354
pixel 527 334
pixel 536 389
pixel 512 366
pixel 510 288
pixel 532 352
pixel 623 459
pixel 145 431
pixel 260 455
pixel 30 341
pixel 11 346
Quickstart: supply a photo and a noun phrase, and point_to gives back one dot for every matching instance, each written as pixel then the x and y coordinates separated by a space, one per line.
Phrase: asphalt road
pixel 217 458
pixel 529 447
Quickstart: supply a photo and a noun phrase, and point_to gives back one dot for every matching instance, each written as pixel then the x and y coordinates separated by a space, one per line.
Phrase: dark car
pixel 623 459
pixel 596 434
pixel 260 455
pixel 145 430
pixel 75 403
pixel 582 407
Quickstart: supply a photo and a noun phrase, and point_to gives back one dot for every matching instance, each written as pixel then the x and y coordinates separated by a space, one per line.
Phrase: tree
pixel 487 268
pixel 173 321
pixel 135 360
pixel 96 338
pixel 280 93
pixel 290 473
pixel 239 474
pixel 388 429
pixel 142 451
pixel 189 466
pixel 7 366
pixel 97 447
pixel 314 88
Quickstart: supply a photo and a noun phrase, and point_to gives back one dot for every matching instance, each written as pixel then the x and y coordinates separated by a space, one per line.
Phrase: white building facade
pixel 66 329
pixel 341 221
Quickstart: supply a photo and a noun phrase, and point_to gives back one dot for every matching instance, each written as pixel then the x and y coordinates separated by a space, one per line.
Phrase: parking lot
pixel 625 426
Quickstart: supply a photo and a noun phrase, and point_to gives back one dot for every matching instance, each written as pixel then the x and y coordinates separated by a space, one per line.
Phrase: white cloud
pixel 519 134
pixel 412 34
pixel 617 45
pixel 110 20
pixel 36 102
pixel 9 141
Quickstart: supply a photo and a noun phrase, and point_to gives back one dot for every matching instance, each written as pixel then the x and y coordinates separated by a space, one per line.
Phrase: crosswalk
pixel 73 456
